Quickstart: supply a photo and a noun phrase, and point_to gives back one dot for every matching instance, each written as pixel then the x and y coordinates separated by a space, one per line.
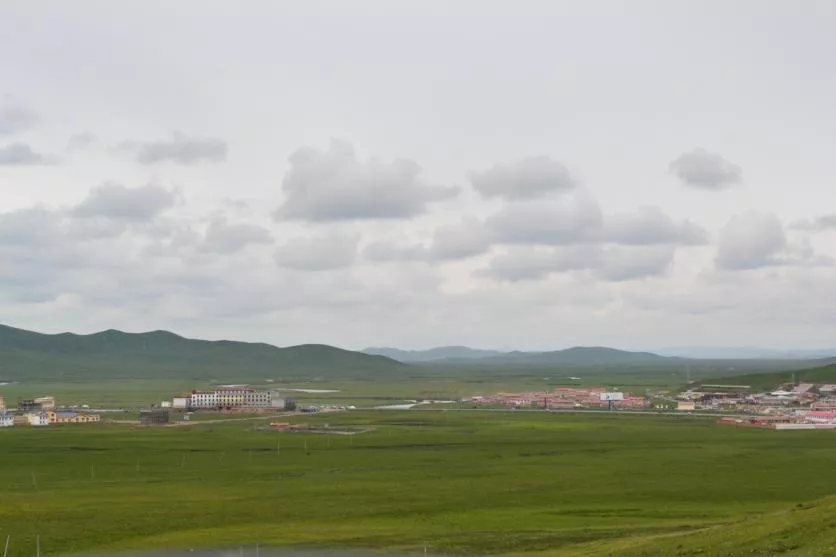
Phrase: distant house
pixel 46 402
pixel 2 403
pixel 6 419
pixel 687 406
pixel 72 418
pixel 38 419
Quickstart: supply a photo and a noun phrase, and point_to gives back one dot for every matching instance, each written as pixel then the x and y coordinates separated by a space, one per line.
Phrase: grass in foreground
pixel 459 482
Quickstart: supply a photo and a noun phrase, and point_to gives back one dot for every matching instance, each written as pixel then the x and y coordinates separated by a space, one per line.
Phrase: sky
pixel 524 175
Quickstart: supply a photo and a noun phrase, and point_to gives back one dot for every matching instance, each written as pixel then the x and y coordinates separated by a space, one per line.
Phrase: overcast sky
pixel 528 175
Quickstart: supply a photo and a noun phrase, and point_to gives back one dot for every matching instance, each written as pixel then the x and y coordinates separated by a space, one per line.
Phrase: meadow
pixel 453 482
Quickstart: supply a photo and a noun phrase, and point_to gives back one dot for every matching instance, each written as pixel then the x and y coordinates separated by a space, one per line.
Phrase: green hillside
pixel 161 354
pixel 769 381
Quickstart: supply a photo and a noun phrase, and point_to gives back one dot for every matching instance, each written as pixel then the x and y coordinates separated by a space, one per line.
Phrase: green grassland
pixel 416 382
pixel 461 482
pixel 768 381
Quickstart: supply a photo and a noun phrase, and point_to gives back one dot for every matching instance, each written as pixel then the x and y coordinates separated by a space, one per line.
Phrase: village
pixel 789 406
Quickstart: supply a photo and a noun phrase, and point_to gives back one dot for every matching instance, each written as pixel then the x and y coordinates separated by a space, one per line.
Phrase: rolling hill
pixel 162 354
pixel 770 381
pixel 581 356
pixel 433 354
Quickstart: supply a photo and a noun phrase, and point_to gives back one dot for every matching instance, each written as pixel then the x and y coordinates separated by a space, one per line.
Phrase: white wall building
pixel 38 419
pixel 6 420
pixel 203 400
pixel 230 397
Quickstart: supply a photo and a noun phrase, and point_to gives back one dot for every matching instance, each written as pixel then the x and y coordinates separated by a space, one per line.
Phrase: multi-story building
pixel 6 419
pixel 232 397
pixel 46 402
pixel 38 418
pixel 2 403
pixel 200 400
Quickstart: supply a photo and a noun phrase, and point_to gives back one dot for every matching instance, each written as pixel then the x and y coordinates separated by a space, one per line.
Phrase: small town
pixel 789 406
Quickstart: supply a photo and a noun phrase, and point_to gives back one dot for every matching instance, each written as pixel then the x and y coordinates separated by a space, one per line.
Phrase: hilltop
pixel 769 381
pixel 162 354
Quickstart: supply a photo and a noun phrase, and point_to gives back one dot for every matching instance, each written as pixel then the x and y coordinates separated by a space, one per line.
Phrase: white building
pixel 228 397
pixel 38 419
pixel 6 420
pixel 204 400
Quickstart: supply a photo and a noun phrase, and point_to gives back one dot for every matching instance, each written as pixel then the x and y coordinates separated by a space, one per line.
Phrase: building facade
pixel 232 397
pixel 38 419
pixel 6 419
pixel 72 418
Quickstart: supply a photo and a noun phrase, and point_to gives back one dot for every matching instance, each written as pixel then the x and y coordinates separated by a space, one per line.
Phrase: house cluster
pixel 564 398
pixel 790 406
pixel 241 398
pixel 42 412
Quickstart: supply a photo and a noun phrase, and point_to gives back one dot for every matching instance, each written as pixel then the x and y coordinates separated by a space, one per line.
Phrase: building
pixel 6 419
pixel 153 416
pixel 2 403
pixel 72 418
pixel 46 402
pixel 203 400
pixel 686 406
pixel 38 418
pixel 232 397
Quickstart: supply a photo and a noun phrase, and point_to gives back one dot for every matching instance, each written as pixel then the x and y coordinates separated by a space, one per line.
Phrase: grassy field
pixel 455 482
pixel 133 393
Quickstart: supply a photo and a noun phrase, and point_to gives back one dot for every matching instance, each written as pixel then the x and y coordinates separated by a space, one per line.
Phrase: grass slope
pixel 460 482
pixel 161 354
pixel 769 381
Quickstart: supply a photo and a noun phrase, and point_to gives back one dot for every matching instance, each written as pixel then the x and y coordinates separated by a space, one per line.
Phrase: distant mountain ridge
pixel 745 353
pixel 432 354
pixel 162 354
pixel 578 355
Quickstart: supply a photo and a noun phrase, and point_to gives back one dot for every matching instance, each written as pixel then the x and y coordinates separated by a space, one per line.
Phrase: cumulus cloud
pixel 460 241
pixel 15 118
pixel 648 226
pixel 180 149
pixel 223 237
pixel 568 220
pixel 523 179
pixel 754 240
pixel 608 263
pixel 21 154
pixel 334 185
pixel 703 170
pixel 119 202
pixel 818 224
pixel 318 253
pixel 80 141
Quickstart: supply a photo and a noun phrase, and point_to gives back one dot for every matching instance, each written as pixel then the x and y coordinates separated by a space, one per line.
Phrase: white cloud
pixel 334 185
pixel 21 154
pixel 116 201
pixel 523 179
pixel 703 170
pixel 180 149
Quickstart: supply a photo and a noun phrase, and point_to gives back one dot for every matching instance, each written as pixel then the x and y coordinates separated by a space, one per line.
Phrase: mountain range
pixel 580 355
pixel 576 356
pixel 161 354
